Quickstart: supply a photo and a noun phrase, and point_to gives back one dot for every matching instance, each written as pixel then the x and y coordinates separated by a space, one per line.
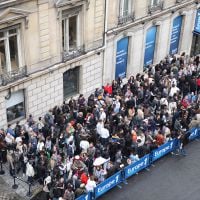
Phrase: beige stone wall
pixel 45 91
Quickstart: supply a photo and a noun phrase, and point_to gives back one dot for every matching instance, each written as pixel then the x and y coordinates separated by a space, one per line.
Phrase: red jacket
pixel 108 89
pixel 84 178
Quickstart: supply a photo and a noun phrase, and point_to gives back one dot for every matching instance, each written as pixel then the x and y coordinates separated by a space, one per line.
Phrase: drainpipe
pixel 105 37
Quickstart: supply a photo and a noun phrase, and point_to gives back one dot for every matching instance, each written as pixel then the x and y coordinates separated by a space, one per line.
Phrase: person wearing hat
pixel 78 165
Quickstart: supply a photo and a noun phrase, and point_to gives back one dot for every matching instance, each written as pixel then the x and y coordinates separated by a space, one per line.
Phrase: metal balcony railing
pixel 9 77
pixel 156 7
pixel 125 19
pixel 74 53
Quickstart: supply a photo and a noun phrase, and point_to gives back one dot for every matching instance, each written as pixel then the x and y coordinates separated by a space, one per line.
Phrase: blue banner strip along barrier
pixel 134 168
pixel 87 196
pixel 194 133
pixel 163 150
pixel 108 184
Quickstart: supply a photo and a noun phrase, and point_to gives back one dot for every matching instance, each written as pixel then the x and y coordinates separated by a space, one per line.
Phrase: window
pixel 9 50
pixel 15 106
pixel 70 30
pixel 155 2
pixel 126 14
pixel 125 8
pixel 71 82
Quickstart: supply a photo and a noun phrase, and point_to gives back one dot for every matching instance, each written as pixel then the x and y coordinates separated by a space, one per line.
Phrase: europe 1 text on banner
pixel 175 35
pixel 137 166
pixel 85 197
pixel 108 184
pixel 194 133
pixel 150 46
pixel 163 150
pixel 197 22
pixel 121 58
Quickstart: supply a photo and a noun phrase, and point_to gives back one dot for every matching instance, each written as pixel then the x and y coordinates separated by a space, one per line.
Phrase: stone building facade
pixel 51 50
pixel 142 32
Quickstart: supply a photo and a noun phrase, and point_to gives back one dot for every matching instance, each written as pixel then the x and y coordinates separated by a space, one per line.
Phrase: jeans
pixel 181 149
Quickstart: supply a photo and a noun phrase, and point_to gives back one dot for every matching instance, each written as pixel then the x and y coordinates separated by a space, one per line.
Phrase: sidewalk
pixel 6 182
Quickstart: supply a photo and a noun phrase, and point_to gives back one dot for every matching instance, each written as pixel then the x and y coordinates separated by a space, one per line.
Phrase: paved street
pixel 6 181
pixel 172 178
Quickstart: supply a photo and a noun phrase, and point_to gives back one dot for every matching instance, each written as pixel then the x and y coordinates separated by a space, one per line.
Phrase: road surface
pixel 172 178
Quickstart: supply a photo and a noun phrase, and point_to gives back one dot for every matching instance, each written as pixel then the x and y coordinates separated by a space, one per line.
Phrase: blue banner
pixel 137 166
pixel 163 150
pixel 197 22
pixel 85 197
pixel 121 58
pixel 175 35
pixel 150 46
pixel 194 133
pixel 108 184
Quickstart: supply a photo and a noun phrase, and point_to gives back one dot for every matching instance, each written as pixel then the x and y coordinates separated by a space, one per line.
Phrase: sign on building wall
pixel 175 35
pixel 121 58
pixel 150 45
pixel 197 22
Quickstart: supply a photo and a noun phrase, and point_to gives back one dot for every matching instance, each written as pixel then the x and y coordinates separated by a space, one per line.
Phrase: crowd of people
pixel 79 144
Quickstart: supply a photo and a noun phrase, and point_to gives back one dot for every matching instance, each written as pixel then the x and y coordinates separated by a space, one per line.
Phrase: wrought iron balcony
pixel 9 77
pixel 155 7
pixel 125 19
pixel 74 53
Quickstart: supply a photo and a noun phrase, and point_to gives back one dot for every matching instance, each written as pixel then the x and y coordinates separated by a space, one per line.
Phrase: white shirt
pixel 90 185
pixel 9 138
pixel 164 101
pixel 172 107
pixel 173 91
pixel 84 144
pixel 18 139
pixel 99 127
pixel 102 116
pixel 40 145
pixel 104 133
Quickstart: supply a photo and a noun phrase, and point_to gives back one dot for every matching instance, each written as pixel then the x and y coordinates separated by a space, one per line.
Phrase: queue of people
pixel 79 144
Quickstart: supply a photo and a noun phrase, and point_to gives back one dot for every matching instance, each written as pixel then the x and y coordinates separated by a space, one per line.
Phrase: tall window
pixel 125 8
pixel 9 49
pixel 70 30
pixel 154 2
pixel 15 106
pixel 71 82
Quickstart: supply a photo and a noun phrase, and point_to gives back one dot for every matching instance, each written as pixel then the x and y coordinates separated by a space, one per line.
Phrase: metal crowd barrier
pixel 136 167
pixel 15 186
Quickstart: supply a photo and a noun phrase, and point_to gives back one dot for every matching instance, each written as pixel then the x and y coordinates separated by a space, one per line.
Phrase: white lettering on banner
pixel 174 51
pixel 149 44
pixel 164 150
pixel 194 134
pixel 86 197
pixel 149 62
pixel 119 54
pixel 109 184
pixel 138 166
